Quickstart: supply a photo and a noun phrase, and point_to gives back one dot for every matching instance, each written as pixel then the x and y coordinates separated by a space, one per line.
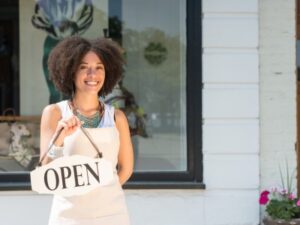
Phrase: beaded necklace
pixel 89 121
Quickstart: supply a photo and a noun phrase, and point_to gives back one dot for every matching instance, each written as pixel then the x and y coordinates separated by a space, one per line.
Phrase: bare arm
pixel 51 123
pixel 125 158
pixel 50 117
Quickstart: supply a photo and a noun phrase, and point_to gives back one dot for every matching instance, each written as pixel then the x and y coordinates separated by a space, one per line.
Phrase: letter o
pixel 56 179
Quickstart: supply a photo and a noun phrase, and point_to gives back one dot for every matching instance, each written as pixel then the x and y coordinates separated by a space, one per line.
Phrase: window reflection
pixel 153 89
pixel 154 40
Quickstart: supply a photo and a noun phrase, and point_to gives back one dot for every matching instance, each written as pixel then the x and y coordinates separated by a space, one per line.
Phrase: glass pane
pixel 29 30
pixel 42 25
pixel 154 38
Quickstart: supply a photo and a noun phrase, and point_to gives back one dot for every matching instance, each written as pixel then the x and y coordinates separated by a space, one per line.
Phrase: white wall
pixel 277 89
pixel 231 111
pixel 230 136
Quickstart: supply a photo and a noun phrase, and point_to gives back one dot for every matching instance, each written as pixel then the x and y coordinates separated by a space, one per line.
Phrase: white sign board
pixel 72 175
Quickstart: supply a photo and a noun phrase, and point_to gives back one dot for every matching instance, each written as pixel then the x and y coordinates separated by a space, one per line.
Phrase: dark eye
pixel 100 67
pixel 82 67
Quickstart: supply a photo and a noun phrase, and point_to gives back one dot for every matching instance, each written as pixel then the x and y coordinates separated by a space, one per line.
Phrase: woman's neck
pixel 86 104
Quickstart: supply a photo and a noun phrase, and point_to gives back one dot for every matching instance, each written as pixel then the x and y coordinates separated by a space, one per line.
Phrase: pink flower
pixel 264 198
pixel 292 196
pixel 298 203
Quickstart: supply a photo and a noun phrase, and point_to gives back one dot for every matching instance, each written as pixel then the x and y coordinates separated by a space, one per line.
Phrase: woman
pixel 84 70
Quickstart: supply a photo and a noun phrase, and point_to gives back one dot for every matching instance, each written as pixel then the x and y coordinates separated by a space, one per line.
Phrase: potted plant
pixel 281 204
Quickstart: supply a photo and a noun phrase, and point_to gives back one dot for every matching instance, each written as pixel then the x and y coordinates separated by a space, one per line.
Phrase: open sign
pixel 72 175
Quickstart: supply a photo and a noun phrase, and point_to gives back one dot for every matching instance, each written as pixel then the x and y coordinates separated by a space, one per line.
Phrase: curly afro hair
pixel 66 56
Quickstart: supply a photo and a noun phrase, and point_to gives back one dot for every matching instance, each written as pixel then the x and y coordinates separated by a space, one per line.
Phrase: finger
pixel 73 121
pixel 62 124
pixel 61 127
pixel 78 122
pixel 70 123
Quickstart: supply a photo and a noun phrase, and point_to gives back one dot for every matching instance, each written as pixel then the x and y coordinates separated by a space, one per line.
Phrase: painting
pixel 19 143
pixel 43 24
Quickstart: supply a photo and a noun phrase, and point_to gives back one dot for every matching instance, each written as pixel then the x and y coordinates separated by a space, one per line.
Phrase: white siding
pixel 231 171
pixel 230 101
pixel 234 207
pixel 230 6
pixel 166 207
pixel 277 89
pixel 234 66
pixel 230 31
pixel 238 136
pixel 24 208
pixel 231 112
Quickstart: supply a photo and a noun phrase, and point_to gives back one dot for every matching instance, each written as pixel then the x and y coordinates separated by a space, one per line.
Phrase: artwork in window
pixel 19 142
pixel 66 18
pixel 155 53
pixel 43 24
pixel 60 19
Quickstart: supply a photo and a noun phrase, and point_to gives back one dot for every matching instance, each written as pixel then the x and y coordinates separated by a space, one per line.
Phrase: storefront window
pixel 154 41
pixel 153 92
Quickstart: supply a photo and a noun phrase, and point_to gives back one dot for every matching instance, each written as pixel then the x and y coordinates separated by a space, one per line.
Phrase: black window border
pixel 193 177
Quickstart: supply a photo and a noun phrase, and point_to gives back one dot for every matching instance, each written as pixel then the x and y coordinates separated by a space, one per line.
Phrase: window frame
pixel 193 177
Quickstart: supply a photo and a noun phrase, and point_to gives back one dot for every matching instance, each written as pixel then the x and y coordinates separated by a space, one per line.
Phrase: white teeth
pixel 91 82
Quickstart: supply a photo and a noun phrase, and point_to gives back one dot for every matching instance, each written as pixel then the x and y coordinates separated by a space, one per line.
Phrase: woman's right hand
pixel 67 127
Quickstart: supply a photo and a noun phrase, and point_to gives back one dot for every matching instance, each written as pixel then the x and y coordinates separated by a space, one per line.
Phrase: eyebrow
pixel 100 63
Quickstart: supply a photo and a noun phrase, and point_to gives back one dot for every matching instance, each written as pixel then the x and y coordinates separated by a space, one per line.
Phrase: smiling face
pixel 90 74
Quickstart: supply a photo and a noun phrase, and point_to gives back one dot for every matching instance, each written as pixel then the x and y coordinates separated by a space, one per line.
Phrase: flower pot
pixel 270 221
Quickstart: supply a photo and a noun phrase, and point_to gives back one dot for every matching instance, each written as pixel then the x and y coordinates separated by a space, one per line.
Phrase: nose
pixel 91 71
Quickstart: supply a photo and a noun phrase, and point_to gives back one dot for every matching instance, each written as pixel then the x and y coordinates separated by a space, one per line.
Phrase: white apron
pixel 103 205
